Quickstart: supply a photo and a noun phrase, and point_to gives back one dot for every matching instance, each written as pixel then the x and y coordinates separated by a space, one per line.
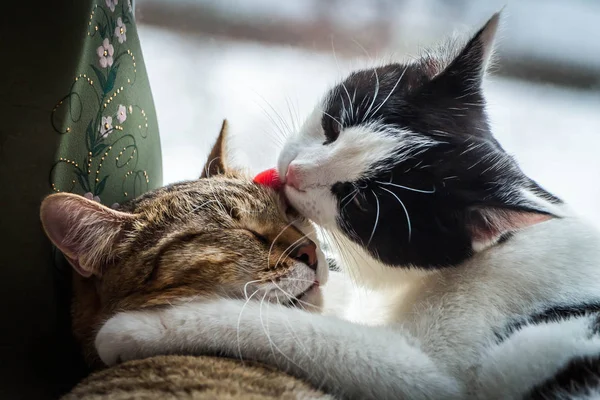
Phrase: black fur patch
pixel 333 265
pixel 552 314
pixel 465 165
pixel 577 378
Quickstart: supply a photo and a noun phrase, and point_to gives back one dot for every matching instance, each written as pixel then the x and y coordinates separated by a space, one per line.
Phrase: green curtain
pixel 77 116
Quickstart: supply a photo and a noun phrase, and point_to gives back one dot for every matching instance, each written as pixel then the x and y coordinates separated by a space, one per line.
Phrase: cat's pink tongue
pixel 269 178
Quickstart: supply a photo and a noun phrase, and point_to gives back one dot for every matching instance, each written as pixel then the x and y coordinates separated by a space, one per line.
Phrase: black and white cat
pixel 488 286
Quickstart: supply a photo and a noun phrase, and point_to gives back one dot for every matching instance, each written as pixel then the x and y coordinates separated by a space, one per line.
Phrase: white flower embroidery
pixel 120 31
pixel 112 4
pixel 121 113
pixel 105 52
pixel 106 127
pixel 90 196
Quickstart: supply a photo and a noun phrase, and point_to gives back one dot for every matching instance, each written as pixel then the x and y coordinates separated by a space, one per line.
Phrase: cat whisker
pixel 405 211
pixel 246 287
pixel 265 329
pixel 376 218
pixel 349 101
pixel 278 135
pixel 354 192
pixel 274 240
pixel 391 92
pixel 332 117
pixel 289 249
pixel 374 95
pixel 272 343
pixel 290 329
pixel 344 112
pixel 207 168
pixel 283 122
pixel 347 253
pixel 239 345
pixel 290 296
pixel 292 119
pixel 407 188
pixel 360 46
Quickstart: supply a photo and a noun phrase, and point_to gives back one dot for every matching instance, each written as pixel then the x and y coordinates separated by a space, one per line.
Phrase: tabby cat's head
pixel 220 235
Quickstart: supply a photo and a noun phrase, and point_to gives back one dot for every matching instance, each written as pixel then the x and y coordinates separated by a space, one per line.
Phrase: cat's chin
pixel 311 300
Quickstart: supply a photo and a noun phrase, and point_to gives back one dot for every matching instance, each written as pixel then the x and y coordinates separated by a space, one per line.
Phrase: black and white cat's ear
pixel 468 68
pixel 489 225
pixel 216 163
pixel 83 230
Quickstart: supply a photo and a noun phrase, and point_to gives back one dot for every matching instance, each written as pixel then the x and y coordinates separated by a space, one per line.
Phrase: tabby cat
pixel 219 236
pixel 491 285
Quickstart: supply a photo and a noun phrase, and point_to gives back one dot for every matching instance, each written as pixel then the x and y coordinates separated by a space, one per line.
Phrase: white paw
pixel 129 335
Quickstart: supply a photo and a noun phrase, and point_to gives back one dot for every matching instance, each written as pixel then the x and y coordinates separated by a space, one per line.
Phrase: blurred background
pixel 263 64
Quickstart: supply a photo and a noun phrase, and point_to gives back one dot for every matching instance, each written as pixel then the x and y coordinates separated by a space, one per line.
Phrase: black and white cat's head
pixel 401 159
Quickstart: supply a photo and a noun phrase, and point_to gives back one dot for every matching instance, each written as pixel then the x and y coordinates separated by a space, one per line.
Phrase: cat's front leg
pixel 130 336
pixel 349 360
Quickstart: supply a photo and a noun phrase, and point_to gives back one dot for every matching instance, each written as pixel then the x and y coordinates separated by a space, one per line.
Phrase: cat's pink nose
pixel 307 253
pixel 291 177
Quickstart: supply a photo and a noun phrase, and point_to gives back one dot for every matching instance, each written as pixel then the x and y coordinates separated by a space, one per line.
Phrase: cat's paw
pixel 129 335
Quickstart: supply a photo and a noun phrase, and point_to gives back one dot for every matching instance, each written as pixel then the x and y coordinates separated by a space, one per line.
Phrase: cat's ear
pixel 489 225
pixel 83 230
pixel 467 69
pixel 217 159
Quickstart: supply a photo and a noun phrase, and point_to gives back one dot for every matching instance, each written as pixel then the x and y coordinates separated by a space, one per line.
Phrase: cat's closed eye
pixel 259 237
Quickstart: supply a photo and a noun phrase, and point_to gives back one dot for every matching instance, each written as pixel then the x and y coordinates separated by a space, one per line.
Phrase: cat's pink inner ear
pixel 56 213
pixel 492 224
pixel 83 230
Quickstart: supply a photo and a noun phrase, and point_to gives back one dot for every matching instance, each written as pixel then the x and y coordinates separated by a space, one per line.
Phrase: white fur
pixel 532 355
pixel 321 349
pixel 435 340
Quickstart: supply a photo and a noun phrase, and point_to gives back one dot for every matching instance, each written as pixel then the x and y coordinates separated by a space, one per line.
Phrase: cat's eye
pixel 259 237
pixel 332 129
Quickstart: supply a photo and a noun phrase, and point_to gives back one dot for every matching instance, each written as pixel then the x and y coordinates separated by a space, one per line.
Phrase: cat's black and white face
pixel 401 159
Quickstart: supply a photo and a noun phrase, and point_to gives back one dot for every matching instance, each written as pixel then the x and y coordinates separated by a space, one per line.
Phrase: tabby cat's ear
pixel 467 69
pixel 217 159
pixel 83 230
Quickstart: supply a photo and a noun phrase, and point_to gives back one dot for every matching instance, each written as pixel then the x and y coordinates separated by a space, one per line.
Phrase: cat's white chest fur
pixel 456 312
